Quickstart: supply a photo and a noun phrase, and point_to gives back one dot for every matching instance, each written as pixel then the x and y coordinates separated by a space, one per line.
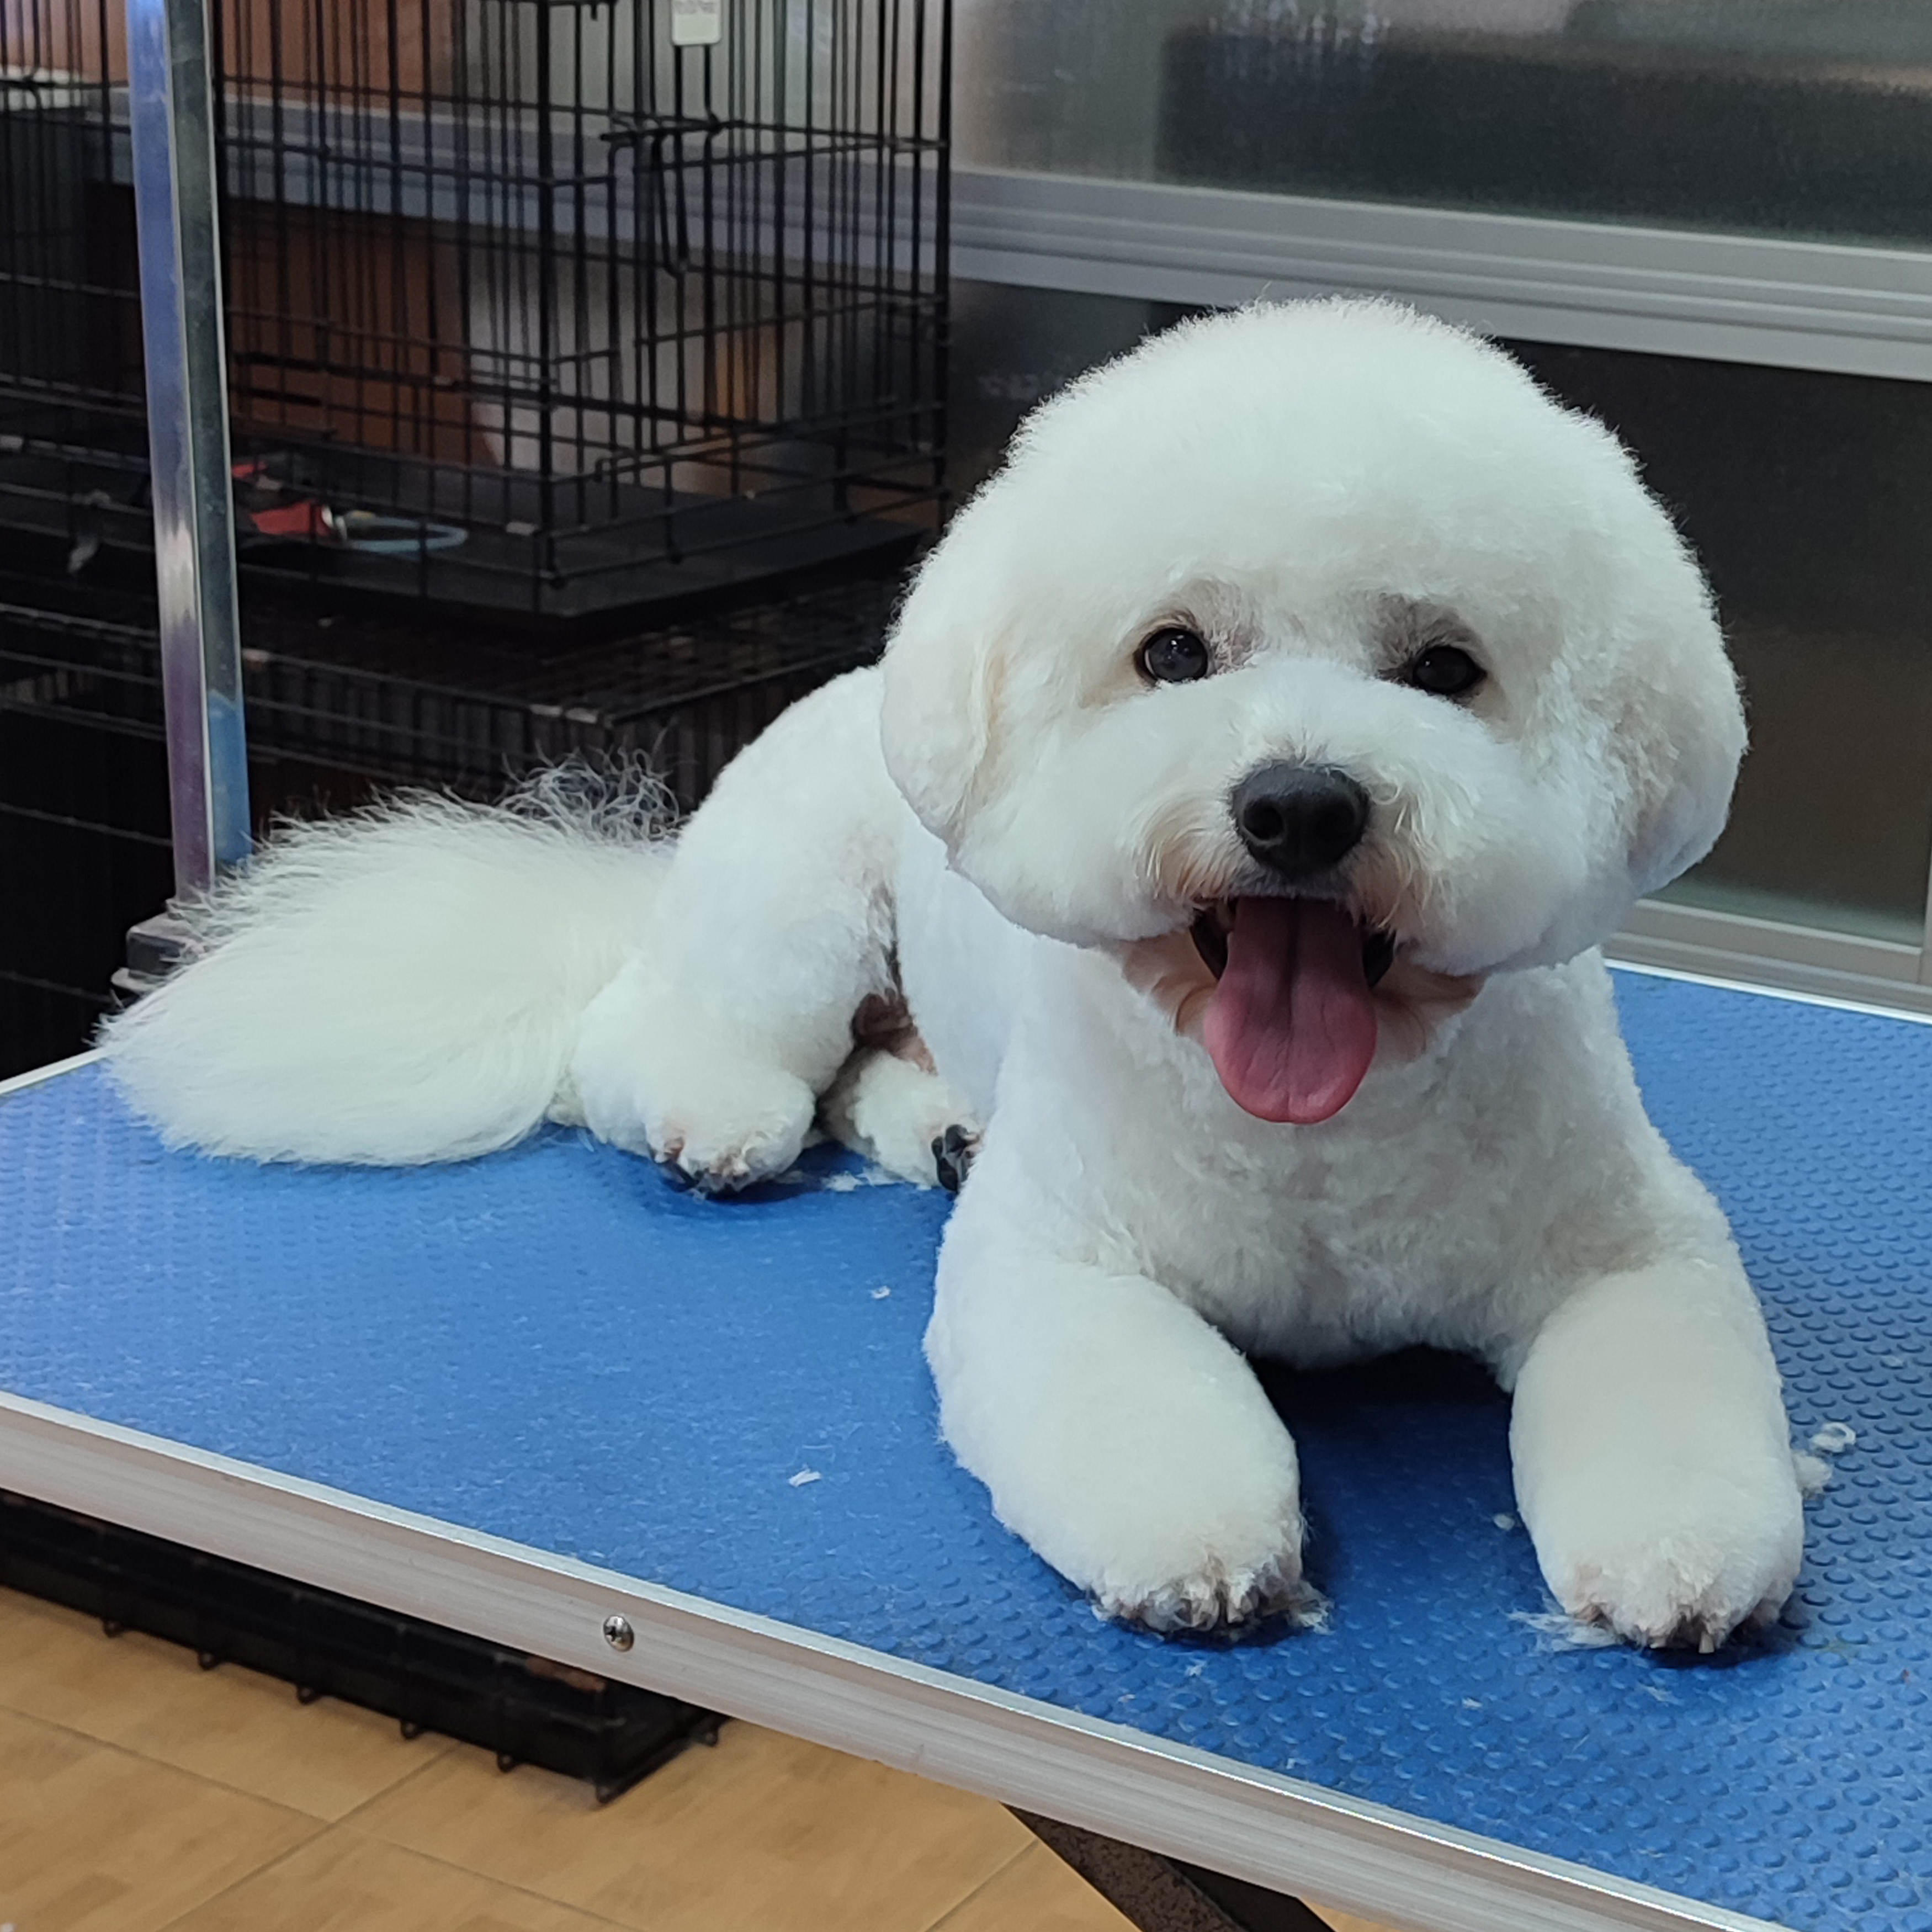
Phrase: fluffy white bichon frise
pixel 1218 857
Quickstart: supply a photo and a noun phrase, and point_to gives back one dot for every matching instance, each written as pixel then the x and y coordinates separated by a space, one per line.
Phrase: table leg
pixel 1162 1895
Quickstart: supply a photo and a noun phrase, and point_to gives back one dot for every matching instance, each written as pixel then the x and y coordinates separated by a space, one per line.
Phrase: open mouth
pixel 1213 923
pixel 1291 1026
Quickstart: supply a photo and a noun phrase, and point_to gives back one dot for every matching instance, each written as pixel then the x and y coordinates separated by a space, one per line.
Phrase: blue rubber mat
pixel 554 1345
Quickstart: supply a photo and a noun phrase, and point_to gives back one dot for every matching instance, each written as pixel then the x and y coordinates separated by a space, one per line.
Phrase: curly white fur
pixel 1007 824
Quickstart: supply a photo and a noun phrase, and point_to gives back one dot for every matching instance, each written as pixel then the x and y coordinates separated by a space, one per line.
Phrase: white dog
pixel 1253 770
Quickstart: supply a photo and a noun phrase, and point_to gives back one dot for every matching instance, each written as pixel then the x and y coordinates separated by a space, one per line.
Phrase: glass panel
pixel 1808 497
pixel 1011 348
pixel 1807 118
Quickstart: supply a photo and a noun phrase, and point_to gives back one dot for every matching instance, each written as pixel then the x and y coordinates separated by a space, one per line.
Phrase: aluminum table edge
pixel 35 1075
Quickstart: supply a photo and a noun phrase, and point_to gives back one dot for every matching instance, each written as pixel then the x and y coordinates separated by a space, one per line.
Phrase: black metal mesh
pixel 341 703
pixel 364 701
pixel 527 307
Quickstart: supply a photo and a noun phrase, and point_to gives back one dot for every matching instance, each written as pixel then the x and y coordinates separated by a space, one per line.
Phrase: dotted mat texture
pixel 557 1346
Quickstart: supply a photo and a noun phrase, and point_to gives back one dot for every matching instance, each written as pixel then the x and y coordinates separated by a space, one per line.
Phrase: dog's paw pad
pixel 952 1153
pixel 904 1117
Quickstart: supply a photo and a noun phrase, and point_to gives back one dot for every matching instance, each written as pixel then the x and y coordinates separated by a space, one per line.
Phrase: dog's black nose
pixel 1299 819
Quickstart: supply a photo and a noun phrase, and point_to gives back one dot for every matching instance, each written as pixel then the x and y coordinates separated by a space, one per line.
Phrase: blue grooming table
pixel 530 1393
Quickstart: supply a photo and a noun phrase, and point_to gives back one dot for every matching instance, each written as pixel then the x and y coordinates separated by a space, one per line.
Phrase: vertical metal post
pixel 173 111
pixel 1925 940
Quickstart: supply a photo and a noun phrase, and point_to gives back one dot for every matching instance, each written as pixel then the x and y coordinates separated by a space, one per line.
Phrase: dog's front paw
pixel 1201 1544
pixel 1683 1585
pixel 665 1087
pixel 1653 1460
pixel 748 1123
pixel 1673 1560
pixel 1121 1434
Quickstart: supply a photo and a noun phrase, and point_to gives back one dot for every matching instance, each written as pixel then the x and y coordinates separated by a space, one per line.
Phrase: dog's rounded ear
pixel 943 674
pixel 1681 734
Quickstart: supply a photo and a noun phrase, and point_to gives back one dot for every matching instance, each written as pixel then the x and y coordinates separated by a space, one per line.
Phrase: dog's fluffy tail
pixel 399 986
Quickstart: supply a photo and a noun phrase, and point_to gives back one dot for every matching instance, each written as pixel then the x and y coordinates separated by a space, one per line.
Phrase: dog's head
pixel 1315 651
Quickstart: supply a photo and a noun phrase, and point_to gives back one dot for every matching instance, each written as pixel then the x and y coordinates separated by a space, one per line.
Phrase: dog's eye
pixel 1173 656
pixel 1444 671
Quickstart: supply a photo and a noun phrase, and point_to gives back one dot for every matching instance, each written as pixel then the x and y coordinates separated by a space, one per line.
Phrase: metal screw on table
pixel 618 1633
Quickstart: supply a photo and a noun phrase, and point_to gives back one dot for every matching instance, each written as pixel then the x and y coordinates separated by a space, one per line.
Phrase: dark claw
pixel 953 1155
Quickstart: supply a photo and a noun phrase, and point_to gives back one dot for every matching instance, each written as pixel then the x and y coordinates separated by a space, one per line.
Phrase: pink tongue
pixel 1291 1026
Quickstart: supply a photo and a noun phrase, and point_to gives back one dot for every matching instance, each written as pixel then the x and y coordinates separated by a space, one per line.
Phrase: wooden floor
pixel 138 1792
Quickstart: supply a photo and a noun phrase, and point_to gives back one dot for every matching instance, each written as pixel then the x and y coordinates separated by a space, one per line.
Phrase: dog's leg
pixel 1653 1460
pixel 774 922
pixel 1123 1437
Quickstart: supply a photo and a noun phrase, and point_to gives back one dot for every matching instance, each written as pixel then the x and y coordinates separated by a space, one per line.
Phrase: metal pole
pixel 172 112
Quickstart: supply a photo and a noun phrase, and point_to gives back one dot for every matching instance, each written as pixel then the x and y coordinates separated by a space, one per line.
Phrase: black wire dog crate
pixel 341 704
pixel 560 307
